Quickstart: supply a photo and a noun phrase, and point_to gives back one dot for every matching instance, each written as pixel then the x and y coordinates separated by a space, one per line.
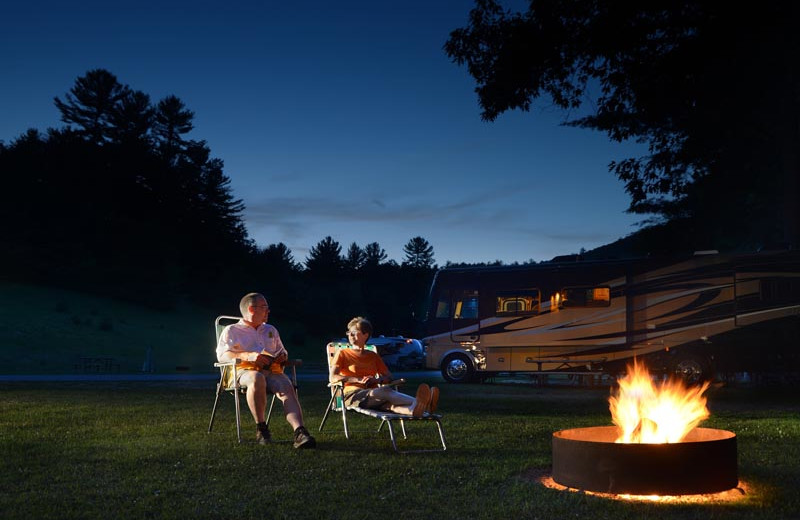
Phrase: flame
pixel 655 414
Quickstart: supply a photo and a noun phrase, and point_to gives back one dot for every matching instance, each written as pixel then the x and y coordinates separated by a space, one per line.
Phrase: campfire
pixel 655 447
pixel 649 414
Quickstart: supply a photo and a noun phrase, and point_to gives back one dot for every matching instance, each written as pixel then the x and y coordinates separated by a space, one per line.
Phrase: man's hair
pixel 361 323
pixel 248 300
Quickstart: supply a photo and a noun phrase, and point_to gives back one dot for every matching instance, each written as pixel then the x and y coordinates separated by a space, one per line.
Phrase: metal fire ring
pixel 589 459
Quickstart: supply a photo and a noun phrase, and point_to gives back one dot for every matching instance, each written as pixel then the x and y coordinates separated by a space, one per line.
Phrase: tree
pixel 172 121
pixel 131 118
pixel 419 253
pixel 354 259
pixel 325 258
pixel 278 257
pixel 374 255
pixel 712 88
pixel 91 103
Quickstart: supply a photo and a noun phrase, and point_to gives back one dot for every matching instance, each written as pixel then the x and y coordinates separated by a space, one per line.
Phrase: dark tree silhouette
pixel 354 258
pixel 172 121
pixel 131 119
pixel 91 103
pixel 325 258
pixel 712 88
pixel 118 216
pixel 374 255
pixel 278 257
pixel 419 253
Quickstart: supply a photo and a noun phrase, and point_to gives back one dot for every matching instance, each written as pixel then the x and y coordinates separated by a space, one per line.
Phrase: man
pixel 259 347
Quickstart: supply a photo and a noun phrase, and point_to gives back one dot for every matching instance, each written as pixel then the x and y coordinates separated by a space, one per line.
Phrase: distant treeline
pixel 120 202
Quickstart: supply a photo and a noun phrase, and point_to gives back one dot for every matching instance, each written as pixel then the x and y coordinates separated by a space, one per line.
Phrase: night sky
pixel 334 118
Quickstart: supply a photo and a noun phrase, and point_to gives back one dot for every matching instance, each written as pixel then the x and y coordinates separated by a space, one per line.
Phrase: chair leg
pixel 441 434
pixel 391 435
pixel 214 409
pixel 344 421
pixel 327 411
pixel 238 416
pixel 271 404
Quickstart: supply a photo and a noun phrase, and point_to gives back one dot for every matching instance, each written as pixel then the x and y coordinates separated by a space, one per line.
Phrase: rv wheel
pixel 457 368
pixel 691 368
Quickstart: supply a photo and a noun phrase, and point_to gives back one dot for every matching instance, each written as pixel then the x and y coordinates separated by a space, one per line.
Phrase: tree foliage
pixel 712 88
pixel 374 255
pixel 110 211
pixel 354 258
pixel 325 258
pixel 172 121
pixel 92 104
pixel 419 253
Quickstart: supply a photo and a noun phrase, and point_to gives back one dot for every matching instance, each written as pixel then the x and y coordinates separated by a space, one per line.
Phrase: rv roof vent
pixel 706 252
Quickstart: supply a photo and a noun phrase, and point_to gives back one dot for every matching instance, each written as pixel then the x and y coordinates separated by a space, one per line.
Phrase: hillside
pixel 53 331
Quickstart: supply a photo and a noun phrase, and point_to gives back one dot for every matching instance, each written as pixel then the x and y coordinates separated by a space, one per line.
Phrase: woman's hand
pixel 368 381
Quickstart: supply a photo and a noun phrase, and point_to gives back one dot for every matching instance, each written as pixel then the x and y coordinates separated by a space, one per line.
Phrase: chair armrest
pixel 294 362
pixel 231 363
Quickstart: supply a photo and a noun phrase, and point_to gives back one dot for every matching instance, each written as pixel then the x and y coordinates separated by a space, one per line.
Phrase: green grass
pixel 140 450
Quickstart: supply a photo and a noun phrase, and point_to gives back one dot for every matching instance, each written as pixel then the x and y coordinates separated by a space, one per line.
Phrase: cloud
pixel 282 211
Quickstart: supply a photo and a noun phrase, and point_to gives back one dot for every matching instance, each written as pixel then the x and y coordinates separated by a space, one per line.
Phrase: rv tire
pixel 458 368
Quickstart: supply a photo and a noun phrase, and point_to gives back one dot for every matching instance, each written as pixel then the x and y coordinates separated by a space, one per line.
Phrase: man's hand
pixel 281 358
pixel 263 361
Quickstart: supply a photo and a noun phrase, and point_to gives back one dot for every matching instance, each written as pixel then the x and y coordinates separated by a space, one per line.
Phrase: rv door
pixel 464 317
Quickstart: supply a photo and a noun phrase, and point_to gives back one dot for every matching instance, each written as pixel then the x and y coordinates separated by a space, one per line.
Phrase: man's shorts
pixel 276 383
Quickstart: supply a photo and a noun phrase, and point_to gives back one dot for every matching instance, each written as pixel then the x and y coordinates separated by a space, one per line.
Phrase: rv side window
pixel 586 297
pixel 443 305
pixel 465 305
pixel 525 301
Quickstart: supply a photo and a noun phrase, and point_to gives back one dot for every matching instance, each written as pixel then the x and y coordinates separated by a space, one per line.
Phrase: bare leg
pixel 282 387
pixel 256 394
pixel 398 402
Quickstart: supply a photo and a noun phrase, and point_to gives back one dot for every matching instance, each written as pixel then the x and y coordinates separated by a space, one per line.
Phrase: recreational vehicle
pixel 594 317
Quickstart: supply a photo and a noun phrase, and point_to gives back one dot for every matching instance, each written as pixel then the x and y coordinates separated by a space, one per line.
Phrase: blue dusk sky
pixel 334 118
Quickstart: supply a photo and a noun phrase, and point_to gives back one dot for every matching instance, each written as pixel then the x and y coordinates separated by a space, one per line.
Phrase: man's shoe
pixel 303 439
pixel 423 399
pixel 263 436
pixel 434 400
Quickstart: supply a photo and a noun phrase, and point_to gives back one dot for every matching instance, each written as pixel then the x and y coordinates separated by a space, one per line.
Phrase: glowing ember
pixel 730 495
pixel 655 414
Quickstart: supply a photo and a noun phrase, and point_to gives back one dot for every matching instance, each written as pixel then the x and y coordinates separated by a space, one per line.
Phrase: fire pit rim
pixel 710 435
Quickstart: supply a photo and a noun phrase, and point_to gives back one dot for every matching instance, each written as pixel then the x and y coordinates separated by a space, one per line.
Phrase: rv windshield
pixel 462 305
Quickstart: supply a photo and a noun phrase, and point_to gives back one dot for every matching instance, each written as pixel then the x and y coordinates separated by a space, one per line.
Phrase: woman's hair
pixel 361 323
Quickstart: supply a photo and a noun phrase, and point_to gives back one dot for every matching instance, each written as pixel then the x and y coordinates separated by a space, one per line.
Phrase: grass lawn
pixel 140 450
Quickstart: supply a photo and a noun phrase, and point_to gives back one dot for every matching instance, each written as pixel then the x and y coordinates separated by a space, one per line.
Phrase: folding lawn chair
pixel 336 404
pixel 229 379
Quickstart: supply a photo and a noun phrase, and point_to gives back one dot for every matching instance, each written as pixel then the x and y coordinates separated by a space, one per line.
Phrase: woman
pixel 362 371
